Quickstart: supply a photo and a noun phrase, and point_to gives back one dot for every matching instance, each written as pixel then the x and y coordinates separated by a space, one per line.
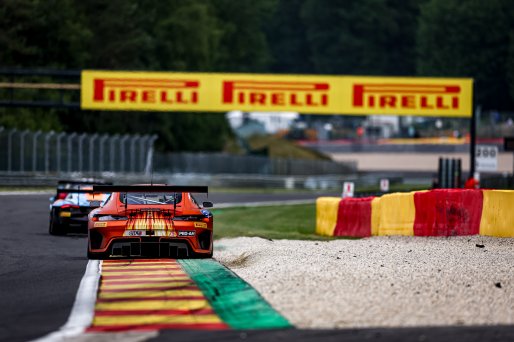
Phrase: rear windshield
pixel 74 186
pixel 151 198
pixel 84 199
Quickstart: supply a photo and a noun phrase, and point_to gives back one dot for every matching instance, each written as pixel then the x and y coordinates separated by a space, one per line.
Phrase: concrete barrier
pixel 498 213
pixel 354 217
pixel 397 214
pixel 447 212
pixel 442 212
pixel 326 215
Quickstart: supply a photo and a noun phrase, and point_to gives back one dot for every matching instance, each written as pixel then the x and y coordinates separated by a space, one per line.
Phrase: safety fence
pixel 60 152
pixel 222 163
pixel 442 212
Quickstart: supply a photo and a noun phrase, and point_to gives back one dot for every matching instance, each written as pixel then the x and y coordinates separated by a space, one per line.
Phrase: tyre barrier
pixel 440 212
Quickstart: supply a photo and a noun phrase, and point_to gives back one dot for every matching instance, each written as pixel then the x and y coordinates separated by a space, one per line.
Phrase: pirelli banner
pixel 309 94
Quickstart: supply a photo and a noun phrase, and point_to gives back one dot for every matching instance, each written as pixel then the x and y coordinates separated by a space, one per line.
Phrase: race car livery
pixel 71 205
pixel 150 221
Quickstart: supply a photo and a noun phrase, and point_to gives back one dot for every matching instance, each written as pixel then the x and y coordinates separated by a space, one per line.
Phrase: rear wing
pixel 151 188
pixel 80 191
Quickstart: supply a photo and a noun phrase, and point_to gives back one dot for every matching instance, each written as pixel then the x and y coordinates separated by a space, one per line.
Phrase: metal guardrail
pixel 29 179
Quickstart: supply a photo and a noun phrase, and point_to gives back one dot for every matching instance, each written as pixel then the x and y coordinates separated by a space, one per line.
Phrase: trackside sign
pixel 311 94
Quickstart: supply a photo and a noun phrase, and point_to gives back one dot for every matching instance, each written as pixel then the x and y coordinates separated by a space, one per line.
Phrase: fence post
pixel 101 153
pixel 81 154
pixel 142 145
pixel 70 138
pixel 149 157
pixel 47 152
pixel 111 150
pixel 58 145
pixel 1 129
pixel 133 152
pixel 34 150
pixel 92 139
pixel 9 149
pixel 123 141
pixel 22 149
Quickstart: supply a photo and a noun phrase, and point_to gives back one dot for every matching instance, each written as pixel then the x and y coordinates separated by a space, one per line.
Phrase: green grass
pixel 295 222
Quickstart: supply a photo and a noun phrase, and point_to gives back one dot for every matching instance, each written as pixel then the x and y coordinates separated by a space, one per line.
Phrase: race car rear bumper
pixel 78 224
pixel 148 247
pixel 163 248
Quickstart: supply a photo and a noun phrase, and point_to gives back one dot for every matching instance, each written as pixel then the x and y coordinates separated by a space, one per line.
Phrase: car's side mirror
pixel 95 204
pixel 51 199
pixel 207 204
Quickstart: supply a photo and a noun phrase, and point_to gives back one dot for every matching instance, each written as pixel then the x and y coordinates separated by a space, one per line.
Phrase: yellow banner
pixel 309 94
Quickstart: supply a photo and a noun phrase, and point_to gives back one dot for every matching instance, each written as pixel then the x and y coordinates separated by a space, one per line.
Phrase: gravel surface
pixel 379 281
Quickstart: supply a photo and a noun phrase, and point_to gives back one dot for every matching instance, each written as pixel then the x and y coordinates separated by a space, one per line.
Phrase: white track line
pixel 83 309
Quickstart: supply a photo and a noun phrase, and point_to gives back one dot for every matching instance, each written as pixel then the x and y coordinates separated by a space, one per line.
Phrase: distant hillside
pixel 276 147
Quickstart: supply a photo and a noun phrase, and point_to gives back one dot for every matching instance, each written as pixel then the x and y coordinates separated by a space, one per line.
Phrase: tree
pixel 287 38
pixel 187 37
pixel 369 37
pixel 244 47
pixel 119 39
pixel 42 34
pixel 468 39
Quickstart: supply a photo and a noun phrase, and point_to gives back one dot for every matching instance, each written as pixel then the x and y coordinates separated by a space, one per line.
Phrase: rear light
pixel 61 195
pixel 69 206
pixel 109 218
pixel 189 218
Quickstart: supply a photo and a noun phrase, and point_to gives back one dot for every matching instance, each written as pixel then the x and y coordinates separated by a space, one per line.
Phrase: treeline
pixel 454 38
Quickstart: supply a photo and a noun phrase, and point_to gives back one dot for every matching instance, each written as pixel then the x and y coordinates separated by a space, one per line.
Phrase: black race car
pixel 71 205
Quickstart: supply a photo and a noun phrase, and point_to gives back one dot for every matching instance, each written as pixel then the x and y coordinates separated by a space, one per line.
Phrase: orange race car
pixel 150 221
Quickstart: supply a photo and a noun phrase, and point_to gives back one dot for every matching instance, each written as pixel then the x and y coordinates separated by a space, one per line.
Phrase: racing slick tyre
pixel 202 256
pixel 55 228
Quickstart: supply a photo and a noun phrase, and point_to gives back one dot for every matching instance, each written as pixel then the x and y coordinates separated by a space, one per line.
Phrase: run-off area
pixel 380 281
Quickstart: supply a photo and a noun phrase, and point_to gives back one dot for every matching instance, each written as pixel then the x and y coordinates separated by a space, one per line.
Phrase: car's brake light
pixel 109 218
pixel 61 195
pixel 69 206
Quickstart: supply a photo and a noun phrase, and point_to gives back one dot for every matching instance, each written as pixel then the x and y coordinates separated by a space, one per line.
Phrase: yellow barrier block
pixel 375 216
pixel 497 214
pixel 326 215
pixel 396 214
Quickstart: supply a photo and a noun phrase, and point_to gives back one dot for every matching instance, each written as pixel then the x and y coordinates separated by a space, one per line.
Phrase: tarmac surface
pixel 40 275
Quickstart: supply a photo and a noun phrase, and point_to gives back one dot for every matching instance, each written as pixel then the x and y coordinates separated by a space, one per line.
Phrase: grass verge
pixel 295 222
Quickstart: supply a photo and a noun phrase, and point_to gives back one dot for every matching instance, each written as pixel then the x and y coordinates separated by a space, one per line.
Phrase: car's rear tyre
pixel 202 255
pixel 55 228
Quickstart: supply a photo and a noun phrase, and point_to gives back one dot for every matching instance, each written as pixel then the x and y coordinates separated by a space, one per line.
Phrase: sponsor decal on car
pixel 200 225
pixel 186 233
pixel 100 224
pixel 163 233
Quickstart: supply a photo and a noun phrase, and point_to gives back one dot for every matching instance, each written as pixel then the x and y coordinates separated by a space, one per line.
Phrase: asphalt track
pixel 40 275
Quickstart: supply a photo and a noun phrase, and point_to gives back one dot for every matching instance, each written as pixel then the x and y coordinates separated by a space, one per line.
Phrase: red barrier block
pixel 354 217
pixel 448 212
